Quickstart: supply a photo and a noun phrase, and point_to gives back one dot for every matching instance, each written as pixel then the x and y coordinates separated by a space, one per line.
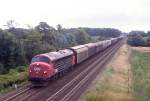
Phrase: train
pixel 52 65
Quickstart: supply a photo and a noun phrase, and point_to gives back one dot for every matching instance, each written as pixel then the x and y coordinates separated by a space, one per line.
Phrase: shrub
pixel 21 68
pixel 13 77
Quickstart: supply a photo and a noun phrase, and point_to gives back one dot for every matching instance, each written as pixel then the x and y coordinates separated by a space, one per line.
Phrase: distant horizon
pixel 26 27
pixel 125 15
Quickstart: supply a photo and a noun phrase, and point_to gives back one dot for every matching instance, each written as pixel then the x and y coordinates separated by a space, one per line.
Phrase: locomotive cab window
pixel 40 59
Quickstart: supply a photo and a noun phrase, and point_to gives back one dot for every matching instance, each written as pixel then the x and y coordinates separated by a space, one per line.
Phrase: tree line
pixel 19 45
pixel 139 38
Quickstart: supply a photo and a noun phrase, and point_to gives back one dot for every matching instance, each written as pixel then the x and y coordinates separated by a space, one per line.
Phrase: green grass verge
pixel 102 84
pixel 141 75
pixel 13 77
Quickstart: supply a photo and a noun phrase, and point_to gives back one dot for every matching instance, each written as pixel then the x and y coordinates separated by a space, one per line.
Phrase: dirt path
pixel 114 84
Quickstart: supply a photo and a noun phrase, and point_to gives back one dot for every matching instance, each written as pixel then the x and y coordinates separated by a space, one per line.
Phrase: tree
pixel 19 45
pixel 148 33
pixel 59 27
pixel 136 40
pixel 2 69
pixel 142 33
pixel 45 30
pixel 82 37
pixel 104 32
pixel 11 24
pixel 11 54
pixel 148 42
pixel 43 27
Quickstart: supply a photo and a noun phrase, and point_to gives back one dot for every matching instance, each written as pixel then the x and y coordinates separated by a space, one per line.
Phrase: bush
pixel 21 68
pixel 13 77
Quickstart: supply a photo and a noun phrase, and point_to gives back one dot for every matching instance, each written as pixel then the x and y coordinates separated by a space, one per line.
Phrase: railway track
pixel 22 95
pixel 70 89
pixel 21 92
pixel 56 91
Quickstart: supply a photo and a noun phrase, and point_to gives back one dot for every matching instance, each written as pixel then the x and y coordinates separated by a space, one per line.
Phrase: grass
pixel 112 84
pixel 106 89
pixel 13 77
pixel 141 75
pixel 96 92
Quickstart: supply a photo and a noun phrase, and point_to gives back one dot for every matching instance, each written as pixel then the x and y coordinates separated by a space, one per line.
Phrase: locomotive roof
pixel 58 54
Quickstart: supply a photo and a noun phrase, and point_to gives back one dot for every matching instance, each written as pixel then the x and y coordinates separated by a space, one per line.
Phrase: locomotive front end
pixel 40 69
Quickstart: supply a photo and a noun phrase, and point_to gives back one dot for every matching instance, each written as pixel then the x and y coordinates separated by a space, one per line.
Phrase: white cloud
pixel 122 14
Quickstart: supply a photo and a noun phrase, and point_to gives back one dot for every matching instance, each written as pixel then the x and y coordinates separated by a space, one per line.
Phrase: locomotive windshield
pixel 40 59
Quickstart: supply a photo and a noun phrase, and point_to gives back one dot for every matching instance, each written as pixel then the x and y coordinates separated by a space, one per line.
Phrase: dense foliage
pixel 139 38
pixel 103 32
pixel 18 45
pixel 15 76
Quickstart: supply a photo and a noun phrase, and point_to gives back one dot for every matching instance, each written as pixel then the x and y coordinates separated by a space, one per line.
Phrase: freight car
pixel 99 46
pixel 50 65
pixel 91 49
pixel 80 53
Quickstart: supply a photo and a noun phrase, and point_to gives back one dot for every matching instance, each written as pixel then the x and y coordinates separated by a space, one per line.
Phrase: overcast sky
pixel 125 15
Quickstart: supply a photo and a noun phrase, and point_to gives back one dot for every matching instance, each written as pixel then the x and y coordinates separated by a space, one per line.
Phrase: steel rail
pixel 54 96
